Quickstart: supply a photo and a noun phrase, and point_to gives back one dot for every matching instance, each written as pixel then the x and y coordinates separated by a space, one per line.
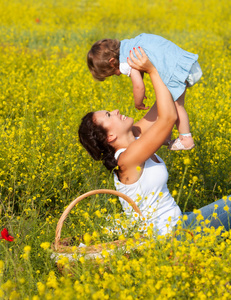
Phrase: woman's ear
pixel 111 137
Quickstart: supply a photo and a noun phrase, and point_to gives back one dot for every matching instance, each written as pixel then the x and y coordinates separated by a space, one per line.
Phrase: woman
pixel 129 149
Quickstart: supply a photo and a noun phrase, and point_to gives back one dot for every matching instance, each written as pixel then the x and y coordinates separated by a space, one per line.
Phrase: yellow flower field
pixel 46 88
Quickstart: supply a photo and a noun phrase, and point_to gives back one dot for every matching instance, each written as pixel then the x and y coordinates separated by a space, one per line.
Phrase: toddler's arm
pixel 138 89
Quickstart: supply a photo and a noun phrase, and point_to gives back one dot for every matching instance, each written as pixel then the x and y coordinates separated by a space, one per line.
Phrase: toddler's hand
pixel 142 106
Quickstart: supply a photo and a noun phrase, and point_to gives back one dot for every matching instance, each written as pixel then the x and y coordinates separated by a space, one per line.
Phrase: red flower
pixel 37 20
pixel 5 235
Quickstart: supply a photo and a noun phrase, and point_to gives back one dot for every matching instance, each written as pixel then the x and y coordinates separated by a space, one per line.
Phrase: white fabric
pixel 194 74
pixel 151 195
pixel 125 68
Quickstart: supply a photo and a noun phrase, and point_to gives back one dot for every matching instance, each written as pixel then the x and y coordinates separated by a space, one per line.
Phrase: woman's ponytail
pixel 93 137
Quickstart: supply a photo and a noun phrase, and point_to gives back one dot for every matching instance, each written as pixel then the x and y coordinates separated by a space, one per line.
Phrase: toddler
pixel 178 69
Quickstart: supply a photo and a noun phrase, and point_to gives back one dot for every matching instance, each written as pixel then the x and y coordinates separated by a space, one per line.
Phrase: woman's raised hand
pixel 142 62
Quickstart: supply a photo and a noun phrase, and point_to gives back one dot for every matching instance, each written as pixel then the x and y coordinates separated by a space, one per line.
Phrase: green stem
pixel 181 186
pixel 188 197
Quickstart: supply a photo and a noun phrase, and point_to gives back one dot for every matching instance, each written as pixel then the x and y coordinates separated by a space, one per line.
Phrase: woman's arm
pixel 152 136
pixel 138 89
pixel 150 118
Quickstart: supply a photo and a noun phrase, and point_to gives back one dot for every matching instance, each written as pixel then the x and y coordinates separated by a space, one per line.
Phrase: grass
pixel 46 89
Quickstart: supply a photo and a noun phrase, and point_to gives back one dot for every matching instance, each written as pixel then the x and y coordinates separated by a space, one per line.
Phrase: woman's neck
pixel 124 141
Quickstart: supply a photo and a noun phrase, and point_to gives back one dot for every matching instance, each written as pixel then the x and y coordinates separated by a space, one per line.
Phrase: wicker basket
pixel 64 247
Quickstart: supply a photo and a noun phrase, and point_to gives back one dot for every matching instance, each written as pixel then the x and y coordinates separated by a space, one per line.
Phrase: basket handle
pixel 78 199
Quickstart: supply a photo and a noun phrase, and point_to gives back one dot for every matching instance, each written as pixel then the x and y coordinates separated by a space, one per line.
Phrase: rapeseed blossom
pixel 46 89
pixel 27 250
pixel 45 245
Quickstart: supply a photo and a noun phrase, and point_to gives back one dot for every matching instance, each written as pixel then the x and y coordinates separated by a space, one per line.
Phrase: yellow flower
pixel 121 237
pixel 95 235
pixel 41 288
pixel 179 222
pixel 198 229
pixel 81 259
pixel 199 217
pixel 174 193
pixel 105 253
pixel 52 281
pixel 45 245
pixel 63 260
pixel 26 253
pixel 196 211
pixel 137 235
pixel 27 249
pixel 185 217
pixel 187 161
pixel 1 266
pixel 226 208
pixel 87 238
pixel 65 185
pixel 214 215
pixel 195 178
pixel 98 213
pixel 138 168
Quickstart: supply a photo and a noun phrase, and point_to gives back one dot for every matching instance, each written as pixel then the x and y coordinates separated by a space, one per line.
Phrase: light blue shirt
pixel 172 63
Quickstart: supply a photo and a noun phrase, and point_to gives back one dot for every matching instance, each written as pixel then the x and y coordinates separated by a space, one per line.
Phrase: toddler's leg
pixel 185 140
pixel 182 122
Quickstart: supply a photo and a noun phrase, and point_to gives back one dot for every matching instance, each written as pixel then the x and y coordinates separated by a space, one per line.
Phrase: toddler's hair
pixel 100 54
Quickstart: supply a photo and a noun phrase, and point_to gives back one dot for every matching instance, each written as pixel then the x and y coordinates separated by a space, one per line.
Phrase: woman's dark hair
pixel 93 137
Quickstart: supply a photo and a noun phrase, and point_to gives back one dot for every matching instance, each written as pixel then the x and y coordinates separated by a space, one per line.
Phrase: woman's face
pixel 113 121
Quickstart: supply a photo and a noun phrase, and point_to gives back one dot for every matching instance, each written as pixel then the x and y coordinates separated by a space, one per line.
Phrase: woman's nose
pixel 116 111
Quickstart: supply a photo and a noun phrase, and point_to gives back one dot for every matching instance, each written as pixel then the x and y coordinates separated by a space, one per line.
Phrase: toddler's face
pixel 117 72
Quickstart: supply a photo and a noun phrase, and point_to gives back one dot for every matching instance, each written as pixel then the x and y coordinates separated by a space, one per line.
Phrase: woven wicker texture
pixel 65 245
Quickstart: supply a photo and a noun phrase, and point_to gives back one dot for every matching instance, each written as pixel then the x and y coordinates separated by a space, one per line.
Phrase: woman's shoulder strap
pixel 118 152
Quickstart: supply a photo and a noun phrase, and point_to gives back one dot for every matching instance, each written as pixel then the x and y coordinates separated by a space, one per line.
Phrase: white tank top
pixel 151 195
